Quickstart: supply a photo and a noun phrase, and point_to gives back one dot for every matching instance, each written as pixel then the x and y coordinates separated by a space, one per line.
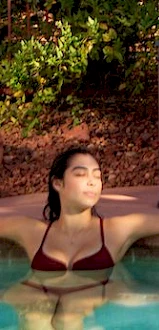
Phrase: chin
pixel 87 206
pixel 85 203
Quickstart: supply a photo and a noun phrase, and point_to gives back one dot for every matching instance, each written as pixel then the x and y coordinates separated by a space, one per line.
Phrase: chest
pixel 70 248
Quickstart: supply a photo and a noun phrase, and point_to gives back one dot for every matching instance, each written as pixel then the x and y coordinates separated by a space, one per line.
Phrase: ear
pixel 57 184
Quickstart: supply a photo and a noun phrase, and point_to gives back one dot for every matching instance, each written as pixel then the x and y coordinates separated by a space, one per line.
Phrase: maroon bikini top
pixel 99 260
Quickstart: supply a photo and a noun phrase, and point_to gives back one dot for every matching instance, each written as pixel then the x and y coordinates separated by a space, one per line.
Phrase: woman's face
pixel 82 183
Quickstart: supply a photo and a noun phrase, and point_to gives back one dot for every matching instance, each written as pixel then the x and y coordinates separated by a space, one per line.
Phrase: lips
pixel 90 194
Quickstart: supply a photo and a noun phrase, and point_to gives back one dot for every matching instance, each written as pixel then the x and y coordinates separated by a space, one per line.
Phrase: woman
pixel 76 238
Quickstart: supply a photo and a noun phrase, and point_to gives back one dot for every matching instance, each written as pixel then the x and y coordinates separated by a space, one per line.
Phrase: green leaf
pixel 118 56
pixel 13 119
pixel 27 129
pixel 90 21
pixel 106 37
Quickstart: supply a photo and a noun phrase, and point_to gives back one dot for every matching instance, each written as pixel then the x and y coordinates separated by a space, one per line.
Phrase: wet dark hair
pixel 52 209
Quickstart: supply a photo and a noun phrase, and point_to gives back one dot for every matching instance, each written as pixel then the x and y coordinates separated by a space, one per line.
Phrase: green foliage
pixel 3 8
pixel 145 56
pixel 76 108
pixel 49 4
pixel 38 67
pixel 38 72
pixel 119 35
pixel 124 35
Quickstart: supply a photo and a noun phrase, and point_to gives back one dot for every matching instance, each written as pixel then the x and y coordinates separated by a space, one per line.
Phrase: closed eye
pixel 83 171
pixel 80 174
pixel 97 176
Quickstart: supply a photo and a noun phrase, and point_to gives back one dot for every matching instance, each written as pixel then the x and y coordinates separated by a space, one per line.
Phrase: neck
pixel 75 222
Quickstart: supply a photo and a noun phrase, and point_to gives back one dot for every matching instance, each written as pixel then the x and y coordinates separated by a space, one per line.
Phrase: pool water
pixel 131 300
pixel 11 272
pixel 9 318
pixel 114 316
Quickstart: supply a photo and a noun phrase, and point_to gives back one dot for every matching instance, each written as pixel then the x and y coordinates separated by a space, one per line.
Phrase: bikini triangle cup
pixel 99 260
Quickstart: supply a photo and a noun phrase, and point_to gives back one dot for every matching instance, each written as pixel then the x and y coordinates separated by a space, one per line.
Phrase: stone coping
pixel 114 202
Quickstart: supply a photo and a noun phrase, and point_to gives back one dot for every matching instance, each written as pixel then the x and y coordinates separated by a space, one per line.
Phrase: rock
pixel 130 154
pixel 41 143
pixel 80 132
pixel 47 139
pixel 135 135
pixel 8 149
pixel 155 143
pixel 98 132
pixel 35 155
pixel 130 145
pixel 111 178
pixel 114 141
pixel 113 129
pixel 8 159
pixel 147 176
pixel 125 158
pixel 131 168
pixel 128 130
pixel 119 154
pixel 1 150
pixel 156 180
pixel 129 118
pixel 145 136
pixel 140 127
pixel 90 146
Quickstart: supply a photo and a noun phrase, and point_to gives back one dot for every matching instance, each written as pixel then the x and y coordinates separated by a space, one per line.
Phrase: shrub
pixel 38 71
pixel 125 36
pixel 116 35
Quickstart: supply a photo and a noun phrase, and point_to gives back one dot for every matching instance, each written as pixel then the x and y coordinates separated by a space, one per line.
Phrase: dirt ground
pixel 125 142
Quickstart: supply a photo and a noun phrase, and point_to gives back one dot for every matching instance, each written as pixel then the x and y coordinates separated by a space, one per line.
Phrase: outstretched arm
pixel 124 231
pixel 27 232
pixel 12 227
pixel 143 225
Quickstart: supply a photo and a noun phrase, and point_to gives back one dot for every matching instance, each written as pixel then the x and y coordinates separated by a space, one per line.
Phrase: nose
pixel 90 181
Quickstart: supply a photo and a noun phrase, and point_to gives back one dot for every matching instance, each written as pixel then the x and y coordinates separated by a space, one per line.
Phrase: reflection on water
pixel 125 297
pixel 116 316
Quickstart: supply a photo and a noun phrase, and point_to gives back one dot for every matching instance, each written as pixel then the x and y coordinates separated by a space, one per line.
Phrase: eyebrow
pixel 84 168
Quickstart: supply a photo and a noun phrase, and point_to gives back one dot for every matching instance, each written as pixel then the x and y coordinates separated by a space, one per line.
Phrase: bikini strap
pixel 45 234
pixel 102 231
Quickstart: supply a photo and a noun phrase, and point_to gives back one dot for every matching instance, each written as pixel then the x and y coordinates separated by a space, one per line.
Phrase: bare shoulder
pixel 28 232
pixel 129 220
pixel 32 225
pixel 134 222
pixel 122 231
pixel 18 220
pixel 19 227
pixel 114 226
pixel 118 233
pixel 123 226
